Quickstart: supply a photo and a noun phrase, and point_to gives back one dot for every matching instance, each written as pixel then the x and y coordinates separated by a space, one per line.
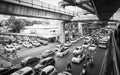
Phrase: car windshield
pixel 62 50
pixel 77 48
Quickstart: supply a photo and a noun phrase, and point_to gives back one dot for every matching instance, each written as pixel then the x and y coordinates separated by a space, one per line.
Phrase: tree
pixel 17 26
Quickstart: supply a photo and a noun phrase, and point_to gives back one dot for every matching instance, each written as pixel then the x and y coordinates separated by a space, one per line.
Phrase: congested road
pixel 61 63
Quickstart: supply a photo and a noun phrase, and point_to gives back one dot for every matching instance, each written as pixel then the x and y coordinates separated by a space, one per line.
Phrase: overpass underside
pixel 17 8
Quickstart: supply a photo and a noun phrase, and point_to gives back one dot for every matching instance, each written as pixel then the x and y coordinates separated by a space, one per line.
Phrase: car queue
pixel 46 64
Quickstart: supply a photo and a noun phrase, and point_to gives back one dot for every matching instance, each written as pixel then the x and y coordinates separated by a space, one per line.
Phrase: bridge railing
pixel 111 64
pixel 42 5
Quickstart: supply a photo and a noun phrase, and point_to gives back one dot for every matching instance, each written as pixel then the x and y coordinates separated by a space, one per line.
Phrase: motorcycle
pixel 91 63
pixel 83 72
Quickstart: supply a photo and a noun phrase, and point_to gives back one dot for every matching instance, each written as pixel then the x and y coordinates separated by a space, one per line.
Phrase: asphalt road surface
pixel 61 63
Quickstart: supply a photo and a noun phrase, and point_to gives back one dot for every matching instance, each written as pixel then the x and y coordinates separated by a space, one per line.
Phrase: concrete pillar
pixel 80 30
pixel 61 32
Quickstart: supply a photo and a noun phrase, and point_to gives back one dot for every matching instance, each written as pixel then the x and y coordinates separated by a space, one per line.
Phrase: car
pixel 87 39
pixel 29 61
pixel 27 44
pixel 10 48
pixel 92 47
pixel 24 71
pixel 9 71
pixel 102 45
pixel 62 52
pixel 78 50
pixel 47 61
pixel 49 70
pixel 78 59
pixel 64 73
pixel 67 44
pixel 85 45
pixel 47 53
pixel 35 43
pixel 58 47
pixel 73 41
pixel 17 46
pixel 42 41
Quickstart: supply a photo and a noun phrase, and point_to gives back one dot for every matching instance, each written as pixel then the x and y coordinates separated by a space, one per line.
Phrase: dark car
pixel 30 61
pixel 8 71
pixel 47 61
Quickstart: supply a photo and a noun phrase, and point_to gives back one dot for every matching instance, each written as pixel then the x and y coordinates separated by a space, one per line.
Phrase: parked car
pixel 49 70
pixel 24 71
pixel 87 39
pixel 10 48
pixel 42 41
pixel 17 46
pixel 47 61
pixel 27 44
pixel 68 44
pixel 47 53
pixel 62 52
pixel 30 61
pixel 78 59
pixel 64 73
pixel 85 45
pixel 78 50
pixel 35 43
pixel 92 47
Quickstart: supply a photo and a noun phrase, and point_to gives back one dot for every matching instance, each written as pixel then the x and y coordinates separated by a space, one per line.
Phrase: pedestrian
pixel 84 66
pixel 68 65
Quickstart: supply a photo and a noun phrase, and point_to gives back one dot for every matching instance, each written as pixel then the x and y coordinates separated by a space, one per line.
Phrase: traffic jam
pixel 46 64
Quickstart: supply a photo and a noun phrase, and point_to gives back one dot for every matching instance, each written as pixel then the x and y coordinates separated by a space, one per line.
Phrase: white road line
pixel 103 62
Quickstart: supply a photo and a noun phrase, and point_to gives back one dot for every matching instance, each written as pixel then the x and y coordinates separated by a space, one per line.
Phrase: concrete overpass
pixel 34 8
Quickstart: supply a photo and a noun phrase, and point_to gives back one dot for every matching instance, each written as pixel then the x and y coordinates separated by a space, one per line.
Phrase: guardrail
pixel 116 56
pixel 110 66
pixel 42 5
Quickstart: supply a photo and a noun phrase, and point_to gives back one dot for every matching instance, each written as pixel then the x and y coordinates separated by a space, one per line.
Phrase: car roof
pixel 22 71
pixel 46 69
pixel 46 58
pixel 27 58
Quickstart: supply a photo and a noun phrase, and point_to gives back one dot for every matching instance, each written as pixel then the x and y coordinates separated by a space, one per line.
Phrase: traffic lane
pixel 61 63
pixel 35 52
pixel 98 56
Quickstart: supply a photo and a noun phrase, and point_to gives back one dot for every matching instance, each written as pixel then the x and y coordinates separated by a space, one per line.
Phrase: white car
pixel 85 45
pixel 92 47
pixel 64 73
pixel 62 52
pixel 27 44
pixel 10 48
pixel 78 50
pixel 67 44
pixel 78 59
pixel 102 45
pixel 87 39
pixel 49 70
pixel 59 47
pixel 35 43
pixel 47 53
pixel 17 46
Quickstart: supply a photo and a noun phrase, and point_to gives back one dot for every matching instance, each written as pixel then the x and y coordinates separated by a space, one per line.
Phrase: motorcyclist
pixel 68 66
pixel 84 66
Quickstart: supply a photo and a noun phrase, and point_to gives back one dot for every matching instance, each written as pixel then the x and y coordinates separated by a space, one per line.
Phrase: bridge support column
pixel 61 32
pixel 80 28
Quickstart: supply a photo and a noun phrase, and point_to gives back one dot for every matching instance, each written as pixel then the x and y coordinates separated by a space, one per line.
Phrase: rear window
pixel 43 73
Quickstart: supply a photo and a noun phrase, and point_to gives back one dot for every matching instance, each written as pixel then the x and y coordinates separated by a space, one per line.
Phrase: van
pixel 24 71
pixel 49 70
